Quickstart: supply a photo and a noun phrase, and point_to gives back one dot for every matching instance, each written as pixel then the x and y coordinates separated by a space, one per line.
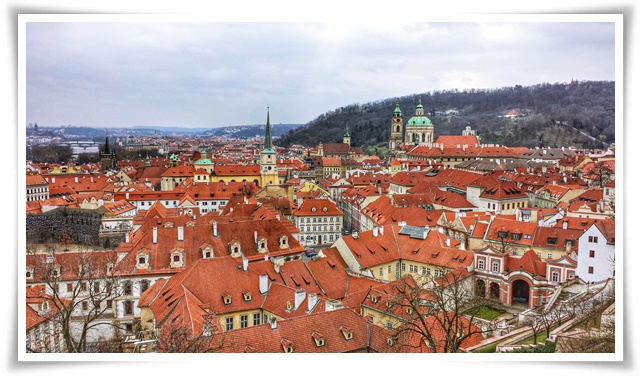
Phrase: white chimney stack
pixel 155 234
pixel 215 229
pixel 448 242
pixel 255 237
pixel 565 224
pixel 180 233
pixel 375 232
pixel 273 322
pixel 355 234
pixel 311 302
pixel 245 263
pixel 264 284
pixel 299 297
pixel 381 230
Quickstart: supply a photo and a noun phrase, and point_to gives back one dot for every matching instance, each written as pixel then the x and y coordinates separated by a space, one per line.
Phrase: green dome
pixel 419 121
pixel 203 161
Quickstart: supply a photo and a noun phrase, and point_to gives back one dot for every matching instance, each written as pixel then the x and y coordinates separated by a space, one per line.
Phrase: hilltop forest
pixel 579 113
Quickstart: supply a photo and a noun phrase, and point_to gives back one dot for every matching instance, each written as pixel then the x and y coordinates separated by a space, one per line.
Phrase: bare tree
pixel 440 312
pixel 599 174
pixel 83 287
pixel 176 336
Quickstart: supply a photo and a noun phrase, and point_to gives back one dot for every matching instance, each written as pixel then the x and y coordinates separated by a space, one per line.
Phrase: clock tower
pixel 268 169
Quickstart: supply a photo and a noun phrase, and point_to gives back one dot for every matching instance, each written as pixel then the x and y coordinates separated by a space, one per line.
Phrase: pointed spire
pixel 397 111
pixel 268 146
pixel 106 146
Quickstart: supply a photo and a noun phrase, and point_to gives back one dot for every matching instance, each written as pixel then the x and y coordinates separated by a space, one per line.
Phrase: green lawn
pixel 488 313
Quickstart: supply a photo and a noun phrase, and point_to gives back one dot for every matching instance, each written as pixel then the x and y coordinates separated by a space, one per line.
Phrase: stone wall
pixel 81 225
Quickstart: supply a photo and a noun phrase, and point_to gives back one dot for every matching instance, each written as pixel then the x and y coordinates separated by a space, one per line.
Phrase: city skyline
pixel 212 74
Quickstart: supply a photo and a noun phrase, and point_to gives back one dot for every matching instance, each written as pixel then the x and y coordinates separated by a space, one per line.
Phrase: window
pixel 256 319
pixel 244 321
pixel 516 236
pixel 128 307
pixel 96 287
pixel 592 253
pixel 591 270
pixel 514 252
pixel 552 241
pixel 502 234
pixel 480 264
pixel 144 285
pixel 494 266
pixel 83 286
pixel 424 270
pixel 593 239
pixel 526 236
pixel 437 273
pixel 85 306
pixel 381 271
pixel 176 258
pixel 229 323
pixel 554 277
pixel 389 269
pixel 403 267
pixel 128 288
pixel 142 260
pixel 69 287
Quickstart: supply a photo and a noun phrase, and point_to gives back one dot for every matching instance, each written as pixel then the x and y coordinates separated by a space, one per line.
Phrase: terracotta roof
pixel 317 207
pixel 608 228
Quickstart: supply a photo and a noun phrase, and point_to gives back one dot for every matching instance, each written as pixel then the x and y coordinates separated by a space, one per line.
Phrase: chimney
pixel 126 195
pixel 448 241
pixel 126 237
pixel 155 234
pixel 273 322
pixel 76 179
pixel 264 284
pixel 355 234
pixel 215 229
pixel 565 224
pixel 245 263
pixel 299 297
pixel 180 233
pixel 255 237
pixel 333 305
pixel 381 230
pixel 311 302
pixel 375 232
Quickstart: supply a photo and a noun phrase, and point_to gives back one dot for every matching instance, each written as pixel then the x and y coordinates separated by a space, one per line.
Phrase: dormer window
pixel 177 258
pixel 516 236
pixel 262 245
pixel 289 305
pixel 29 273
pixel 226 298
pixel 552 241
pixel 347 333
pixel 287 345
pixel 374 299
pixel 502 234
pixel 247 295
pixel 318 339
pixel 313 210
pixel 409 310
pixel 141 259
pixel 283 241
pixel 234 248
pixel 390 341
pixel 45 306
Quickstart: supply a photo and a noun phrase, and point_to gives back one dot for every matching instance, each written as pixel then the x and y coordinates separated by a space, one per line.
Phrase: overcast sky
pixel 215 74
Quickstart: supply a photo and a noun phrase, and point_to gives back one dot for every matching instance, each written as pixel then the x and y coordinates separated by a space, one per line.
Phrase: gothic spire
pixel 268 146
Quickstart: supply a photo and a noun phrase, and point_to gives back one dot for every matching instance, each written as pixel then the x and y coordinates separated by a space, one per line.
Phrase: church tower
pixel 395 141
pixel 268 169
pixel 346 139
pixel 107 157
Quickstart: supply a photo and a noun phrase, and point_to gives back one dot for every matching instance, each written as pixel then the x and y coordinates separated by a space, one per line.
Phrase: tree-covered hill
pixel 579 113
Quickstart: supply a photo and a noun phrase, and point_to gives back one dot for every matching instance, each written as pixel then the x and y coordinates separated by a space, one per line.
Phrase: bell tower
pixel 395 141
pixel 268 169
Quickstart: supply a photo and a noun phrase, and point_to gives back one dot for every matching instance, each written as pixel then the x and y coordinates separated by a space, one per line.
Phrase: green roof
pixel 420 121
pixel 397 111
pixel 203 161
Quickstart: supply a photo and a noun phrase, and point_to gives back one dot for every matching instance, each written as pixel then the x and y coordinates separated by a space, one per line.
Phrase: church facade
pixel 417 131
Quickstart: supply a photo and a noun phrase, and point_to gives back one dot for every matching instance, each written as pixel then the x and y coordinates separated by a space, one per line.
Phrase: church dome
pixel 419 121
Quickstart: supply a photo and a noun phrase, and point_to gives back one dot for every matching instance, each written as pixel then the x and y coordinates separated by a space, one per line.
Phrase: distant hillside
pixel 580 113
pixel 248 131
